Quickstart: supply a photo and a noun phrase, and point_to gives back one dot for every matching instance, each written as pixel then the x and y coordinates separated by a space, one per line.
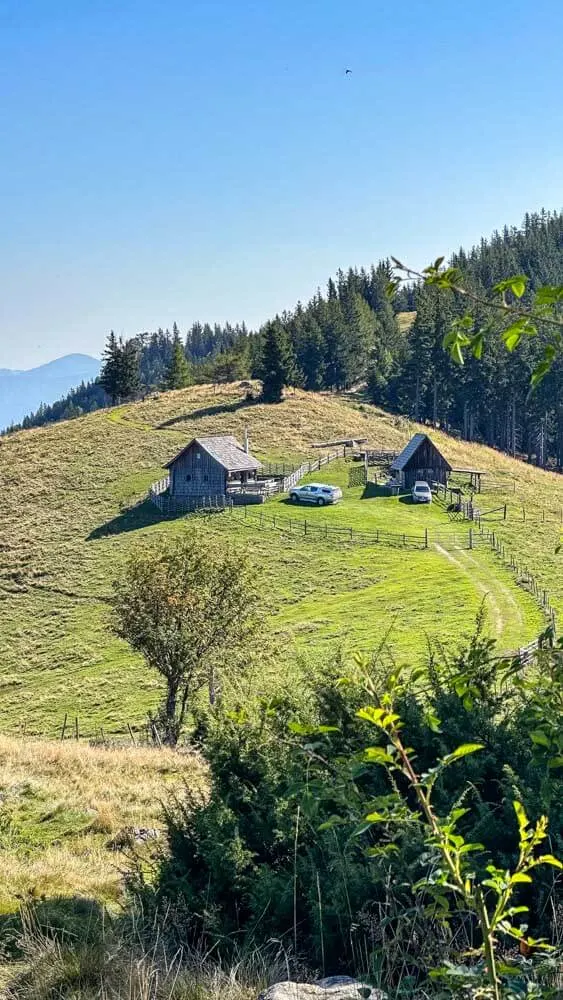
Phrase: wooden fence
pixel 301 527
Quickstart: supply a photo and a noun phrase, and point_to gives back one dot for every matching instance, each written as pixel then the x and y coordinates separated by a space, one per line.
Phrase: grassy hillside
pixel 69 517
pixel 64 803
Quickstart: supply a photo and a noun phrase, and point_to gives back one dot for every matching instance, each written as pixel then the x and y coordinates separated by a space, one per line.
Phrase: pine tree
pixel 277 361
pixel 178 374
pixel 111 367
pixel 129 373
pixel 311 355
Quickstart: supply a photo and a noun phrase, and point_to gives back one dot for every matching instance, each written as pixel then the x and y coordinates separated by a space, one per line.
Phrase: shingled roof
pixel 400 463
pixel 226 450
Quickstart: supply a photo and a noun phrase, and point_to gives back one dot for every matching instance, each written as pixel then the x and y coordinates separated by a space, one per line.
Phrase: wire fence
pixel 304 528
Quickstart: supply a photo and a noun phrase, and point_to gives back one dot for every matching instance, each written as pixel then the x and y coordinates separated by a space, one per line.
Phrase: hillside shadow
pixel 207 411
pixel 142 515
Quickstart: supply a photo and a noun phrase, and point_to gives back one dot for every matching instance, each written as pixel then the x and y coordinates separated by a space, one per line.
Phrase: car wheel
pixel 293 497
pixel 320 502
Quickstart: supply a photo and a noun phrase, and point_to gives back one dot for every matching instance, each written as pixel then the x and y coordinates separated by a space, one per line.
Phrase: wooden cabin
pixel 420 460
pixel 211 467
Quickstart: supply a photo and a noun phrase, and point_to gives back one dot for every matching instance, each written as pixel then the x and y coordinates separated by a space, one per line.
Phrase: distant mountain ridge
pixel 22 392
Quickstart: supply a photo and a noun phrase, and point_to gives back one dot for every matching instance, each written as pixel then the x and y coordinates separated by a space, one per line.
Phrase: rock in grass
pixel 128 836
pixel 331 988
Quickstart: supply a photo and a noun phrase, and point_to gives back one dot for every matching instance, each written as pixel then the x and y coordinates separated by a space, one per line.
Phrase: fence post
pixel 76 727
pixel 351 534
pixel 426 538
pixel 64 726
pixel 505 512
pixel 305 526
pixel 471 538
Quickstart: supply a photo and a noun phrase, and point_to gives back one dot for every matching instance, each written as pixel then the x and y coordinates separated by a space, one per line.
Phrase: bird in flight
pixel 347 71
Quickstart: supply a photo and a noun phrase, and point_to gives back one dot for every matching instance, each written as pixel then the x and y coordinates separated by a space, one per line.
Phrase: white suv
pixel 318 493
pixel 421 492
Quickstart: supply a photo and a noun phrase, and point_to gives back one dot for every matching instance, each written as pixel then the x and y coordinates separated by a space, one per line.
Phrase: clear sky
pixel 171 160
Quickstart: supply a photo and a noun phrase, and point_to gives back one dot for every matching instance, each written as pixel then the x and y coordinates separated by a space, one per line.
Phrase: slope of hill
pixel 63 803
pixel 70 493
pixel 24 391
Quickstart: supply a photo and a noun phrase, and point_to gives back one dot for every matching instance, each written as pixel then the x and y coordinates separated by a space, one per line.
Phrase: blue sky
pixel 181 160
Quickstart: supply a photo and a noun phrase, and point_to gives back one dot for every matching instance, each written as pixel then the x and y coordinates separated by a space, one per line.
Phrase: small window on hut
pixel 206 479
pixel 188 477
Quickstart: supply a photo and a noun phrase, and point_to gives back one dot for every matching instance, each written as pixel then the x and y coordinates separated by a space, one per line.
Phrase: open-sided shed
pixel 420 460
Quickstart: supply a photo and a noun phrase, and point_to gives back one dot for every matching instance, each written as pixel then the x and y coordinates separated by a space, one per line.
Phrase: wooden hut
pixel 420 460
pixel 211 467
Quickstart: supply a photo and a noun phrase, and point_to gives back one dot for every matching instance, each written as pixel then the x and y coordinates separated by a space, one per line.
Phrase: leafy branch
pixel 519 319
pixel 489 898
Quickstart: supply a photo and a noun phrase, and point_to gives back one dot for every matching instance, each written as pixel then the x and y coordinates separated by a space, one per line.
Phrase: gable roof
pixel 410 450
pixel 226 450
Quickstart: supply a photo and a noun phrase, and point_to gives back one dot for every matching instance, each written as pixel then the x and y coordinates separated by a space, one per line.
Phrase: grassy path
pixel 504 609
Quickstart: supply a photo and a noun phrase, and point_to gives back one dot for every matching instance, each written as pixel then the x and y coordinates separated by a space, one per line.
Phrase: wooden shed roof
pixel 409 451
pixel 226 450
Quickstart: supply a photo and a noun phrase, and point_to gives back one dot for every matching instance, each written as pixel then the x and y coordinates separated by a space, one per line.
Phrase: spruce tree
pixel 111 366
pixel 178 374
pixel 277 361
pixel 129 369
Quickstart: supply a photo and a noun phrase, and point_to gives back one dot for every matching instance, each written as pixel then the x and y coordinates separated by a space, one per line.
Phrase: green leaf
pixel 377 755
pixel 540 738
pixel 331 822
pixel 516 285
pixel 371 714
pixel 523 822
pixel 549 295
pixel 539 373
pixel 462 751
pixel 477 344
pixel 549 859
pixel 514 333
pixel 300 730
pixel 470 848
pixel 555 762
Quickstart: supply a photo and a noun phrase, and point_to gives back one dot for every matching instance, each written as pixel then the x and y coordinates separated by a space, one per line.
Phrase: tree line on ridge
pixel 354 335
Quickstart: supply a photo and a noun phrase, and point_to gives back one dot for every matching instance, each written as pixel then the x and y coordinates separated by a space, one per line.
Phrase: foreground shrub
pixel 280 849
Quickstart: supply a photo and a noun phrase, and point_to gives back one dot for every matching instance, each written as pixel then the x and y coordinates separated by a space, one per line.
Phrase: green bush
pixel 277 851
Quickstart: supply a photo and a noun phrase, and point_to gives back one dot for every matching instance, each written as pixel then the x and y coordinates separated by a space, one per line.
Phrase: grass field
pixel 63 803
pixel 69 518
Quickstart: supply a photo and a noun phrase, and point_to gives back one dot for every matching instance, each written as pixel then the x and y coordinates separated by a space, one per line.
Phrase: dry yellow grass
pixel 405 320
pixel 62 803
